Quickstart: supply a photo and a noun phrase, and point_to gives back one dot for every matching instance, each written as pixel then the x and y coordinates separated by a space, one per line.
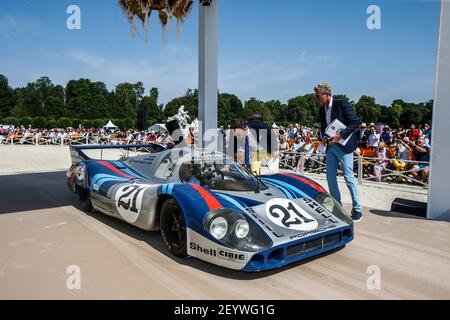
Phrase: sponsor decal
pixel 287 214
pixel 80 172
pixel 304 234
pixel 219 253
pixel 128 200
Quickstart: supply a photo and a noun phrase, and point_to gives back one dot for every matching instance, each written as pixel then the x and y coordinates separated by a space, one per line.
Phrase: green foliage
pixel 76 122
pixel 120 123
pixel 125 101
pixel 129 123
pixel 25 121
pixel 11 121
pixel 64 122
pixel 88 100
pixel 87 123
pixel 367 109
pixel 190 102
pixel 98 123
pixel 52 124
pixel 7 98
pixel 39 122
pixel 303 110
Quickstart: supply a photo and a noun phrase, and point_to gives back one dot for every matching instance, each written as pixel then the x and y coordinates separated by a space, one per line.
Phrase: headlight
pixel 218 228
pixel 328 203
pixel 332 206
pixel 241 229
pixel 236 231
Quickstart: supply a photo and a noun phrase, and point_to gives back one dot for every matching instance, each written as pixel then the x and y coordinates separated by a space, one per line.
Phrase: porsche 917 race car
pixel 209 207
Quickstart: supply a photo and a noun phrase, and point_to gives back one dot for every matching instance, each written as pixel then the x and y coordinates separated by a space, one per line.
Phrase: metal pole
pixel 360 170
pixel 302 163
pixel 208 74
pixel 438 203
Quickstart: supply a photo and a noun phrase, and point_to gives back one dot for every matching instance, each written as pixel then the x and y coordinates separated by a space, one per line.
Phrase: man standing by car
pixel 331 109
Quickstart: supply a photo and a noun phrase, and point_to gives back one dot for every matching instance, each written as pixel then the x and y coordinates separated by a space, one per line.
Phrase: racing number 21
pixel 290 215
pixel 131 194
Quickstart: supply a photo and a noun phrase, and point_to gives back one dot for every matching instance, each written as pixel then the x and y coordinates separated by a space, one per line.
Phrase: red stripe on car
pixel 111 167
pixel 209 199
pixel 305 181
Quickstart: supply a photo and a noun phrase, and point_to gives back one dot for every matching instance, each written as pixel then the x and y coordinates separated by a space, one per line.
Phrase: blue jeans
pixel 334 156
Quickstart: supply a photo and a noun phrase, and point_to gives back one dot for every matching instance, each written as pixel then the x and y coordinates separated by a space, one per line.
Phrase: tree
pixel 412 113
pixel 54 107
pixel 125 98
pixel 86 99
pixel 25 121
pixel 190 102
pixel 39 122
pixel 255 105
pixel 278 110
pixel 11 121
pixel 368 109
pixel 64 122
pixel 52 123
pixel 303 110
pixel 7 98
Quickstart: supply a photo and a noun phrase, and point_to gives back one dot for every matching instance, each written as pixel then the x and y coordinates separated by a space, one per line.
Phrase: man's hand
pixel 335 139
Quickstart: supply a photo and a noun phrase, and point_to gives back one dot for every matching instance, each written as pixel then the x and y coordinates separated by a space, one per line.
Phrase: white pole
pixel 438 194
pixel 208 71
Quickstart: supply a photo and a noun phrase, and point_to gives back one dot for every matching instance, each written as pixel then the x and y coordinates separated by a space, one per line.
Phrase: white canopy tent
pixel 110 125
pixel 158 127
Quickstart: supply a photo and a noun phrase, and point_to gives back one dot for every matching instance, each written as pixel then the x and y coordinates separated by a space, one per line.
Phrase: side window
pixel 165 168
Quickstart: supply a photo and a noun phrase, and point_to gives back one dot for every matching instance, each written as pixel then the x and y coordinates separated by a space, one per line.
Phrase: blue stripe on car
pixel 234 202
pixel 282 189
pixel 288 186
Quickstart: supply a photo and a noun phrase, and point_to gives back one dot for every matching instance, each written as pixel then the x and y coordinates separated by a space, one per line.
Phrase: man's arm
pixel 353 121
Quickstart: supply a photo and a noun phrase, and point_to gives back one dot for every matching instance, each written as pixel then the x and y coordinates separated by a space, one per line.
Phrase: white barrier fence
pixel 65 140
pixel 393 170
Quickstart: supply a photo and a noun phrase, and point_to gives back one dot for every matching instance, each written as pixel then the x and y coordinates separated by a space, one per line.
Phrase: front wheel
pixel 173 228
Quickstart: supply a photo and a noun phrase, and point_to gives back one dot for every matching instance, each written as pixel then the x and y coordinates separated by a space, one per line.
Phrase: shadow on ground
pixel 37 191
pixel 153 239
pixel 33 191
pixel 393 214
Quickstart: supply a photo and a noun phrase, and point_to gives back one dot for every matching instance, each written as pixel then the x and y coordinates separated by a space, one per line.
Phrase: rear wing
pixel 77 152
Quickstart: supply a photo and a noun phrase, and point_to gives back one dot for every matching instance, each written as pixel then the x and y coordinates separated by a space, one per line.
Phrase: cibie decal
pixel 129 201
pixel 287 214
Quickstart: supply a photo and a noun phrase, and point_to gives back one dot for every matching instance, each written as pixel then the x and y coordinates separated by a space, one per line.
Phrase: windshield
pixel 220 176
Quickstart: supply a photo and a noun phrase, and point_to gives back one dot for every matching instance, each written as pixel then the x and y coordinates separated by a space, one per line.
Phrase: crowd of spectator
pixel 390 149
pixel 29 135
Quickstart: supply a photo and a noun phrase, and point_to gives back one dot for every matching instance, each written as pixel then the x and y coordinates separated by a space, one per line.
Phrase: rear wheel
pixel 85 198
pixel 173 228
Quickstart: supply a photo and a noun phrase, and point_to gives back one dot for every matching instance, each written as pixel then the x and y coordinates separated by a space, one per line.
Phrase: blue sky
pixel 269 49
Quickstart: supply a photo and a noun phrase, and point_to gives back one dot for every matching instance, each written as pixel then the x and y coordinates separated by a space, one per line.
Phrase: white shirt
pixel 328 111
pixel 374 139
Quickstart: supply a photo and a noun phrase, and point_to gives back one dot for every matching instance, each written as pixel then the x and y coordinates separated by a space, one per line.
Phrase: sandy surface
pixel 43 232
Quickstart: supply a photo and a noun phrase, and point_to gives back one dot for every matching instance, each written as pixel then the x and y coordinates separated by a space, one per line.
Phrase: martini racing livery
pixel 211 208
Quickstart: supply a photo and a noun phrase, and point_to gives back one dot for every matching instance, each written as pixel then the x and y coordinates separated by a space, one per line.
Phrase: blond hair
pixel 323 88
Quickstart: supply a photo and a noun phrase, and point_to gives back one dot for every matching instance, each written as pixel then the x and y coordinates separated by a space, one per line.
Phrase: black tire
pixel 173 228
pixel 85 199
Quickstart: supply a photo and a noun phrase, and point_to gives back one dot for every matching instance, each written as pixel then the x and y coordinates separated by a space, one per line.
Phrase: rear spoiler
pixel 77 154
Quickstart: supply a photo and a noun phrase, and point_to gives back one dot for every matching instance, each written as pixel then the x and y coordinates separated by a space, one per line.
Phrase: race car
pixel 207 206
